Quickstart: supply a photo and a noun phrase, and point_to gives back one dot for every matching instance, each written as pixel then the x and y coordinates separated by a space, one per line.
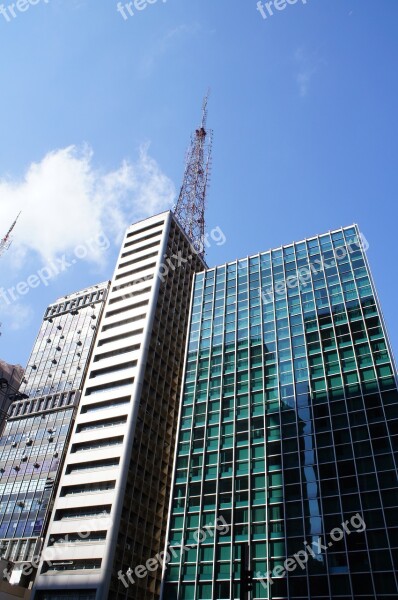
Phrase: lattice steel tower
pixel 190 208
pixel 5 243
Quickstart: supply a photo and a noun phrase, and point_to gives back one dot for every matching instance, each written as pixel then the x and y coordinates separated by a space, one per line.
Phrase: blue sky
pixel 96 113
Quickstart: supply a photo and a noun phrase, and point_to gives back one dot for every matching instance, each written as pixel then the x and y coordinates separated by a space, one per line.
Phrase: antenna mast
pixel 190 208
pixel 5 243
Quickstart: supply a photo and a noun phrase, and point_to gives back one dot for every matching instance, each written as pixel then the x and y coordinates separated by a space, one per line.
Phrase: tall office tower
pixel 288 432
pixel 39 423
pixel 110 513
pixel 10 380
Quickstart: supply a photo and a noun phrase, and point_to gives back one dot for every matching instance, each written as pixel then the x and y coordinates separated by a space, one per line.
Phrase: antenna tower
pixel 5 243
pixel 190 207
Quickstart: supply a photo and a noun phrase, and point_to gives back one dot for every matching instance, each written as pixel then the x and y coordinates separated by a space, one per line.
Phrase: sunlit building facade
pixel 111 508
pixel 40 419
pixel 288 429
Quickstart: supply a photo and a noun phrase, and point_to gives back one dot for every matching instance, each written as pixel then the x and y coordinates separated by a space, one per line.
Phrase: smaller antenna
pixel 5 243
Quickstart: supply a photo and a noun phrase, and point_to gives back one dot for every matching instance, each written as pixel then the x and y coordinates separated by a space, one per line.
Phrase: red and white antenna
pixel 5 243
pixel 191 204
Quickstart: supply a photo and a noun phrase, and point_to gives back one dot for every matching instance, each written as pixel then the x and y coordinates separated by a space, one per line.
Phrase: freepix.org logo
pixel 129 9
pixel 11 11
pixel 266 9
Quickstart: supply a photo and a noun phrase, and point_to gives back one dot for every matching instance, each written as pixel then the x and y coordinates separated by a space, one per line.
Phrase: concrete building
pixel 10 380
pixel 110 512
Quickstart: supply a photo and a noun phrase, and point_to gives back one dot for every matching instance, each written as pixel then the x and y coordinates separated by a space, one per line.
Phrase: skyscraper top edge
pixel 284 246
pixel 164 214
pixel 96 286
pixel 161 213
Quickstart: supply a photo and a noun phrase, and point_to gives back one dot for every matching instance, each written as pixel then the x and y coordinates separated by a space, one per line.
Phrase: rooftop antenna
pixel 191 204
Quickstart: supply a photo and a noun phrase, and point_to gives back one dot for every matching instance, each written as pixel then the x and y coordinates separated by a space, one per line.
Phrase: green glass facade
pixel 288 430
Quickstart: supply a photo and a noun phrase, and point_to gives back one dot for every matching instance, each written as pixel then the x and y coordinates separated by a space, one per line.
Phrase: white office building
pixel 110 512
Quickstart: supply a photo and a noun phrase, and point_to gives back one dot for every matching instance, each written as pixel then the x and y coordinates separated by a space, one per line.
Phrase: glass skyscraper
pixel 39 422
pixel 288 431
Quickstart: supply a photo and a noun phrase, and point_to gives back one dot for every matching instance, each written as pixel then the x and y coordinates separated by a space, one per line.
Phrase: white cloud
pixel 308 66
pixel 65 201
pixel 17 315
pixel 163 44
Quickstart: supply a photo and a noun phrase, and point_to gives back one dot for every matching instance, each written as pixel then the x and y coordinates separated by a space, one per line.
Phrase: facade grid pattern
pixel 118 468
pixel 288 428
pixel 34 439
